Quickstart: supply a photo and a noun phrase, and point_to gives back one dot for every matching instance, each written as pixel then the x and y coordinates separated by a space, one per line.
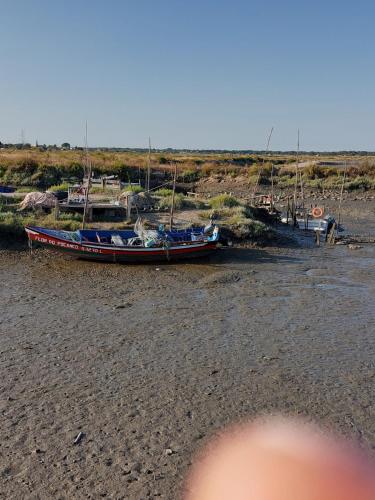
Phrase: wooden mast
pixel 272 188
pixel 261 168
pixel 173 197
pixel 88 169
pixel 341 194
pixel 296 185
pixel 148 166
pixel 301 181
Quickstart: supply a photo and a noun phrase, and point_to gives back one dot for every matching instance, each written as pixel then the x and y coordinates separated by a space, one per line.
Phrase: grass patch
pixel 163 192
pixel 12 224
pixel 239 223
pixel 26 189
pixel 135 189
pixel 223 200
pixel 180 202
pixel 59 187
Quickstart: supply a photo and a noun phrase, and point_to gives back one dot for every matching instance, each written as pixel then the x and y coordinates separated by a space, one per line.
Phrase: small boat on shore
pixel 308 223
pixel 127 245
pixel 6 189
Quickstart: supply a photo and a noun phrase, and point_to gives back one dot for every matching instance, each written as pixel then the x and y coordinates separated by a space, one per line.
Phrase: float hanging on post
pixel 317 212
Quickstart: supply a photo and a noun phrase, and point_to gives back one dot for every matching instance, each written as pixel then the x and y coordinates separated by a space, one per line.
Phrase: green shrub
pixel 189 175
pixel 76 170
pixel 59 187
pixel 163 192
pixel 359 183
pixel 285 181
pixel 11 225
pixel 46 176
pixel 67 216
pixel 125 173
pixel 261 173
pixel 223 200
pixel 135 189
pixel 108 190
pixel 25 189
pixel 180 201
pixel 253 179
pixel 195 203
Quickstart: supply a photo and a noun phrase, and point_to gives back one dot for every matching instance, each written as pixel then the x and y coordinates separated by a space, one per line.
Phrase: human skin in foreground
pixel 280 459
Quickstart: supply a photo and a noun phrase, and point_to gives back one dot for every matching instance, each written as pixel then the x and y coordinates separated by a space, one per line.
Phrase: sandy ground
pixel 149 361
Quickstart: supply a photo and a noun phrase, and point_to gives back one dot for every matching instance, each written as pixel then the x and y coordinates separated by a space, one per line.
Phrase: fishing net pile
pixel 38 200
pixel 139 200
pixel 149 237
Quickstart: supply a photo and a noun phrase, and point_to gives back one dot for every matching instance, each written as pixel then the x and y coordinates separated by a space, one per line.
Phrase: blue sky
pixel 191 74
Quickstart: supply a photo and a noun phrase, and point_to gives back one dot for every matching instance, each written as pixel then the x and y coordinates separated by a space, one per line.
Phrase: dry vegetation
pixel 43 169
pixel 34 169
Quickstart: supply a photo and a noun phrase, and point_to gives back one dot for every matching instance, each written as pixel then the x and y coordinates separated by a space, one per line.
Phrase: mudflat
pixel 149 361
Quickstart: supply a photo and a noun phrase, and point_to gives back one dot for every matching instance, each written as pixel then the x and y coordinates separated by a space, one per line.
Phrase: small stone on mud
pixel 354 247
pixel 168 451
pixel 122 306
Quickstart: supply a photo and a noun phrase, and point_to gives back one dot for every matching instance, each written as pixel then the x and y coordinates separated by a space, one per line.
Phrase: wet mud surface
pixel 149 361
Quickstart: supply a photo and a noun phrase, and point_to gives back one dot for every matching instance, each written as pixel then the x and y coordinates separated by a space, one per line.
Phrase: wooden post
pixel 296 185
pixel 332 233
pixel 148 166
pixel 341 196
pixel 173 197
pixel 57 210
pixel 294 213
pixel 86 210
pixel 317 234
pixel 129 200
pixel 271 207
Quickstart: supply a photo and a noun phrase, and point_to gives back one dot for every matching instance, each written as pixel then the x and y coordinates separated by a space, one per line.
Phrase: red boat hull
pixel 120 254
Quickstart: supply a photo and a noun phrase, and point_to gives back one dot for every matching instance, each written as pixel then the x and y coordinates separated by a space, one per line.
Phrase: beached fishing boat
pixel 139 245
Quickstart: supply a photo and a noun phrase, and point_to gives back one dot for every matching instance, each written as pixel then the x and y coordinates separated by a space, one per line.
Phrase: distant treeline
pixel 176 151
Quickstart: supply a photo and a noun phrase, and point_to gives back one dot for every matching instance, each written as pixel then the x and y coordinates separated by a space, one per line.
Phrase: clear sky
pixel 189 73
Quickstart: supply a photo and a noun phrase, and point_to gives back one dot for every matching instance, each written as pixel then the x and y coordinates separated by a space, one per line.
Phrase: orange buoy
pixel 317 212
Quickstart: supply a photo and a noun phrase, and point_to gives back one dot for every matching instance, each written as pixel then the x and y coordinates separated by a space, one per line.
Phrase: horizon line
pixel 20 146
